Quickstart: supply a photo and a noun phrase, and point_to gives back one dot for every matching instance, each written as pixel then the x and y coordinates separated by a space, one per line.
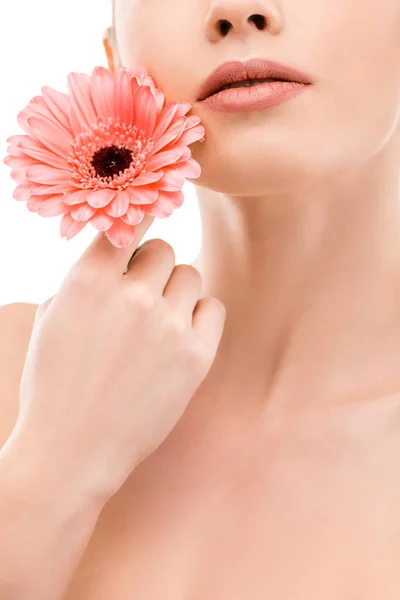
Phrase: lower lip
pixel 264 95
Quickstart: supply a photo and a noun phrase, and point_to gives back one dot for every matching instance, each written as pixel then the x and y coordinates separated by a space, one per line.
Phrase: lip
pixel 233 71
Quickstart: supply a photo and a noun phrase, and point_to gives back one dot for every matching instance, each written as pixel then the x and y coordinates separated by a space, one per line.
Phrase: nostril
pixel 259 21
pixel 224 26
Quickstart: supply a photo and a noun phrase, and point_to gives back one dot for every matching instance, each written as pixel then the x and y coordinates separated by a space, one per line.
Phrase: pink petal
pixel 82 212
pixel 133 215
pixel 58 104
pixel 165 119
pixel 142 195
pixel 162 159
pixel 21 193
pixel 102 89
pixel 189 169
pixel 145 111
pixel 100 198
pixel 69 227
pixel 75 123
pixel 76 197
pixel 183 108
pixel 119 205
pixel 51 135
pixel 192 121
pixel 47 174
pixel 19 176
pixel 37 189
pixel 81 99
pixel 35 149
pixel 52 207
pixel 123 101
pixel 121 234
pixel 101 220
pixel 146 178
pixel 19 162
pixel 14 139
pixel 172 181
pixel 14 151
pixel 166 204
pixel 172 133
pixel 159 98
pixel 192 135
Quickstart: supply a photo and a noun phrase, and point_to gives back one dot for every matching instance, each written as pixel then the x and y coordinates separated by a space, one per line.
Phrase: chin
pixel 256 169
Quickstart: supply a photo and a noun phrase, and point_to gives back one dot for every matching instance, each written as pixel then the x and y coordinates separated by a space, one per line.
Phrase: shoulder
pixel 16 322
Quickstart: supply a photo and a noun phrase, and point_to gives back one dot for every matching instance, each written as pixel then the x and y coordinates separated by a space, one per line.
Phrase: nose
pixel 241 18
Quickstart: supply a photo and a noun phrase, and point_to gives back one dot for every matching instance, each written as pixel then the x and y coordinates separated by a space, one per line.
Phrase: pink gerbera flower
pixel 106 153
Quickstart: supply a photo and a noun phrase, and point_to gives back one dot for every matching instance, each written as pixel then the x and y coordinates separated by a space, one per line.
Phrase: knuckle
pixel 175 323
pixel 84 278
pixel 139 295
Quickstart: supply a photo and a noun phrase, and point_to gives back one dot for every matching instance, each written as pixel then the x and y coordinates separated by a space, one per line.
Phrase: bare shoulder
pixel 16 322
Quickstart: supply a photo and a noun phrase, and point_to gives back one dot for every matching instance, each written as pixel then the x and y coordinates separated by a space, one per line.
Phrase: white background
pixel 41 42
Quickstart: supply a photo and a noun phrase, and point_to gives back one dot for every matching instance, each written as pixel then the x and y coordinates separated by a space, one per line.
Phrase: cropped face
pixel 349 48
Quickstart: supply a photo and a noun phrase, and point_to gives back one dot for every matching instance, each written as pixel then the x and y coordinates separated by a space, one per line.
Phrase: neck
pixel 310 280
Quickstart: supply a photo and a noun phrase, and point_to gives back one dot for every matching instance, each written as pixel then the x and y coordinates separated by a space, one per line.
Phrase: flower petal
pixel 35 149
pixel 101 221
pixel 19 176
pixel 145 110
pixel 162 159
pixel 172 181
pixel 76 197
pixel 51 135
pixel 165 118
pixel 121 234
pixel 172 133
pixel 192 135
pixel 166 204
pixel 58 104
pixel 46 174
pixel 83 212
pixel 100 198
pixel 69 227
pixel 123 101
pixel 21 193
pixel 190 169
pixel 52 206
pixel 81 99
pixel 37 189
pixel 102 89
pixel 119 205
pixel 19 162
pixel 142 195
pixel 144 178
pixel 133 215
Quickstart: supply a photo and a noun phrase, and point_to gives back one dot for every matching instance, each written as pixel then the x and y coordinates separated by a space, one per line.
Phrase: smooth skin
pixel 281 478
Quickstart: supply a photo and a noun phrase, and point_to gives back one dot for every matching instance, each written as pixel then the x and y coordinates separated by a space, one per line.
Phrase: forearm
pixel 45 522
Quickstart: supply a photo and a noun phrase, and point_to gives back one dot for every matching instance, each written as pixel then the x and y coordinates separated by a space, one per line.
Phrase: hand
pixel 115 357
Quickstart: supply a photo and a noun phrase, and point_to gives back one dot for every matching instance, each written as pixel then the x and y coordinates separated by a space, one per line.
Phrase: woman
pixel 273 470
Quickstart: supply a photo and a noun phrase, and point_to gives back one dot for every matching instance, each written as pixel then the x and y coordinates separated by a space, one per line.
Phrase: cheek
pixel 358 61
pixel 163 36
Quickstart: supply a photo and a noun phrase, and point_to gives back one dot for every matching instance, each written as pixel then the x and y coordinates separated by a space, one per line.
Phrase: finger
pixel 209 318
pixel 102 252
pixel 152 266
pixel 183 290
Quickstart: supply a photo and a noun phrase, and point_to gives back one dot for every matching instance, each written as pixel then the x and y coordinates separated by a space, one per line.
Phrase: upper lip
pixel 255 68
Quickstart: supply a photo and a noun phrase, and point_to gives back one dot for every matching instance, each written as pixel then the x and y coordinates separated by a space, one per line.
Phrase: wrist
pixel 34 473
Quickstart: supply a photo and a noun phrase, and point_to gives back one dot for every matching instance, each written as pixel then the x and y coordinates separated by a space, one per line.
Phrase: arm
pixel 46 518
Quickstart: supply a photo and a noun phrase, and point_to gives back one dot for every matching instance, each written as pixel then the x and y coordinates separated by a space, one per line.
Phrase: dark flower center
pixel 111 160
